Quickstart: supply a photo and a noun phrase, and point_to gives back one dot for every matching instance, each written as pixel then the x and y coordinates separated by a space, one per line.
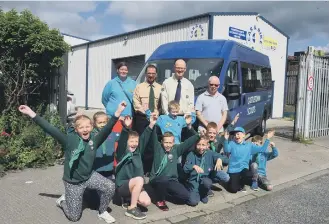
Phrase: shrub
pixel 28 146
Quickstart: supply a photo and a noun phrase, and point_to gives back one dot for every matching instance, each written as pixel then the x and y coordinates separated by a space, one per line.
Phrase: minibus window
pixel 198 71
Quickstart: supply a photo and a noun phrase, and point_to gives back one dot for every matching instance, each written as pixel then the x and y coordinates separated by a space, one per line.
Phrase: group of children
pixel 182 170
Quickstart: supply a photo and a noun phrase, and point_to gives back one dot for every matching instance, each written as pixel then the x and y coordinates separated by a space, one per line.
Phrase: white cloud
pixel 61 15
pixel 98 36
pixel 129 27
pixel 300 20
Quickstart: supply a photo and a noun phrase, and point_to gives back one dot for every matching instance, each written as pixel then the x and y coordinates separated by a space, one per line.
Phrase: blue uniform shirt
pixel 194 158
pixel 113 95
pixel 262 158
pixel 171 124
pixel 240 154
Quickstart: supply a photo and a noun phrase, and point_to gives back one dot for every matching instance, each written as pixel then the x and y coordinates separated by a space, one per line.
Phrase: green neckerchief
pixel 127 157
pixel 77 152
pixel 97 130
pixel 212 146
pixel 202 165
pixel 163 164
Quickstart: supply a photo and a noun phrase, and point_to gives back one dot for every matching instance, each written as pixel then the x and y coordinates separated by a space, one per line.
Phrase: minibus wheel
pixel 260 130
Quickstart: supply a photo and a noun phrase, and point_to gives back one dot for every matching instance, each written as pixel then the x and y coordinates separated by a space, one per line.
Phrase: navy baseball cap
pixel 237 129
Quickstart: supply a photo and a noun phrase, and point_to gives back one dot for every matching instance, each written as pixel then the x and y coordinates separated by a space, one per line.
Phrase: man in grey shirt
pixel 211 106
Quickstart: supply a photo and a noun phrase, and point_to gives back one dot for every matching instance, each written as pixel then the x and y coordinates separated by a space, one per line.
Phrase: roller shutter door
pixel 135 65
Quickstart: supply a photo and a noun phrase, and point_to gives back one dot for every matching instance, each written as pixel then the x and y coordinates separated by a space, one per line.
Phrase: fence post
pixel 296 100
pixel 309 89
pixel 300 98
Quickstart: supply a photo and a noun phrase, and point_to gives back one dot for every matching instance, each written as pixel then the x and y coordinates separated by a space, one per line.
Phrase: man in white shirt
pixel 211 106
pixel 179 89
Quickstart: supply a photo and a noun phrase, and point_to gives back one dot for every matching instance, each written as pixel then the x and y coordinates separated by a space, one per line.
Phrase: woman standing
pixel 116 90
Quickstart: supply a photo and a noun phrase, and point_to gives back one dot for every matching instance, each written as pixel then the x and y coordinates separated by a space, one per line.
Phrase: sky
pixel 305 22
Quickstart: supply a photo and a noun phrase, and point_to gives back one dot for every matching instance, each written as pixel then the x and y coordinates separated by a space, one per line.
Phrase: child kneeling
pixel 80 152
pixel 129 170
pixel 259 162
pixel 164 173
pixel 204 167
pixel 240 154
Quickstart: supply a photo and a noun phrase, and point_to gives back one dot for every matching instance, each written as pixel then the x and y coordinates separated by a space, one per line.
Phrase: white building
pixel 92 64
pixel 74 40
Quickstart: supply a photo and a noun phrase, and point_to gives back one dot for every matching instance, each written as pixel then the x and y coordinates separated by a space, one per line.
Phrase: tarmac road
pixel 306 203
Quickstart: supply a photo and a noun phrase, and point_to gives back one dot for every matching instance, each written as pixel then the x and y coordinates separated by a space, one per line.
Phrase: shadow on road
pixel 50 195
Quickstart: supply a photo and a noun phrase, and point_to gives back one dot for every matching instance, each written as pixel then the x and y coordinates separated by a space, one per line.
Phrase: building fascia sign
pixel 196 32
pixel 253 38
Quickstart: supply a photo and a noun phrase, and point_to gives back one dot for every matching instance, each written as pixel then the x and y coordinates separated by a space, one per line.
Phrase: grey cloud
pixel 300 20
pixel 61 15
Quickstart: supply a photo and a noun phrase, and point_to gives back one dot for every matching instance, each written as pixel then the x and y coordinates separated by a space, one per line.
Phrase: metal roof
pixel 209 14
pixel 69 35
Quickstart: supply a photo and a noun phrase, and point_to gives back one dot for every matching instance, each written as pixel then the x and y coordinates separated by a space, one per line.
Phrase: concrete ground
pixel 302 203
pixel 283 127
pixel 29 196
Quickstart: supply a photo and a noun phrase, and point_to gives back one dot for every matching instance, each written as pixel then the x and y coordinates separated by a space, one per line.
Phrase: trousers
pixel 72 205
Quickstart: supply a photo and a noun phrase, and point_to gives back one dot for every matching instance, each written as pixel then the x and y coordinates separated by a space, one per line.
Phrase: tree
pixel 29 53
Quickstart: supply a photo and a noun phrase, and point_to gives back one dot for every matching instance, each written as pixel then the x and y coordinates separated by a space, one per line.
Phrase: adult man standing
pixel 146 96
pixel 209 104
pixel 179 89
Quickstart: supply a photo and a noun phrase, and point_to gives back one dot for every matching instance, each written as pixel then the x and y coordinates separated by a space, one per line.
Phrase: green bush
pixel 28 146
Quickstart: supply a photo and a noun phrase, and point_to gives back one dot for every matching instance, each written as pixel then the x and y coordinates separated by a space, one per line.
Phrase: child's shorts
pixel 263 180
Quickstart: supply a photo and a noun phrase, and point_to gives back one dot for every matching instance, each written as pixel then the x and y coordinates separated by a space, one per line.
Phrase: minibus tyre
pixel 260 130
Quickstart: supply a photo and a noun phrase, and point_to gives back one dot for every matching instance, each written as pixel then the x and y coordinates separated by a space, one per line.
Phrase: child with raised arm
pixel 164 174
pixel 129 170
pixel 105 153
pixel 216 141
pixel 203 167
pixel 172 122
pixel 80 151
pixel 240 154
pixel 259 162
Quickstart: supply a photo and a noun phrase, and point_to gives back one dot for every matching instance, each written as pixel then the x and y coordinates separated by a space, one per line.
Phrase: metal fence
pixel 312 114
pixel 291 85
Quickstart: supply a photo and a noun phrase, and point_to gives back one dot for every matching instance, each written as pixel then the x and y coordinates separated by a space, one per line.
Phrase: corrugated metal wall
pixel 76 79
pixel 142 43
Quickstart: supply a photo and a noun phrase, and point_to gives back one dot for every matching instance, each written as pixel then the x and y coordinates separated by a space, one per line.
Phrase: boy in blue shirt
pixel 172 122
pixel 259 162
pixel 240 154
pixel 203 167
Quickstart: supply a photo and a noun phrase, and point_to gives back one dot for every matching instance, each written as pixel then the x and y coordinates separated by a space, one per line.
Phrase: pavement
pixel 303 203
pixel 29 196
pixel 283 127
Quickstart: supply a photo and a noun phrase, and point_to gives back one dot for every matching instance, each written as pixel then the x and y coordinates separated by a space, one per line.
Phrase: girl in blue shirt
pixel 116 90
